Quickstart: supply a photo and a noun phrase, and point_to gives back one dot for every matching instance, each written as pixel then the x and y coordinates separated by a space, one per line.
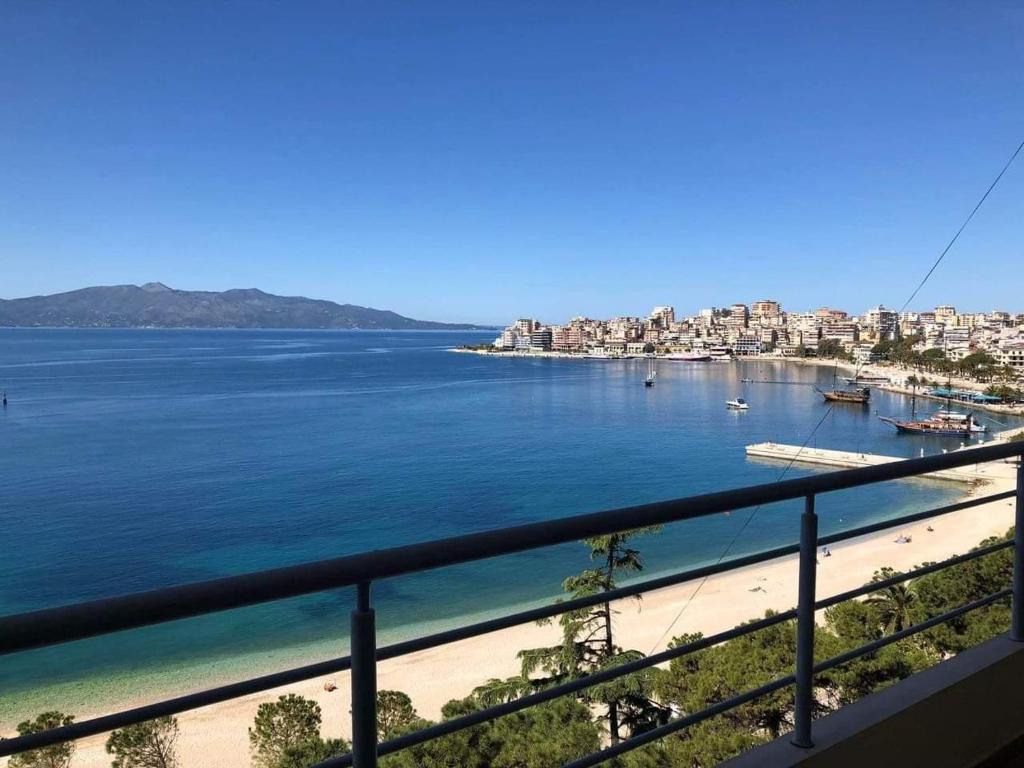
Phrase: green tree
pixel 57 756
pixel 498 690
pixel 288 723
pixel 145 745
pixel 709 676
pixel 588 643
pixel 545 736
pixel 394 712
pixel 312 752
pixel 1004 392
pixel 854 624
pixel 933 359
pixel 963 583
pixel 700 746
pixel 895 604
pixel 832 348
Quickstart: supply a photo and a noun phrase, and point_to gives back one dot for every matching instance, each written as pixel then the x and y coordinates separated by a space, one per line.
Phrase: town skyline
pixel 766 327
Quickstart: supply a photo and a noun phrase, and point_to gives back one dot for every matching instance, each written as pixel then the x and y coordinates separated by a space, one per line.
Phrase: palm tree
pixel 895 604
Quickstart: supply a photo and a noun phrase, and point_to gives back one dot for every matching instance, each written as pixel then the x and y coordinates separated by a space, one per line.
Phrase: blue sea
pixel 136 459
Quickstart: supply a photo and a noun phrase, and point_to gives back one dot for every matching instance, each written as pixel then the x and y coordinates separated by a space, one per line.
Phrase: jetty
pixel 973 473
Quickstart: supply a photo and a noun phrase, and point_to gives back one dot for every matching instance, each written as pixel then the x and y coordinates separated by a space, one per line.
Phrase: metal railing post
pixel 805 626
pixel 364 681
pixel 1017 604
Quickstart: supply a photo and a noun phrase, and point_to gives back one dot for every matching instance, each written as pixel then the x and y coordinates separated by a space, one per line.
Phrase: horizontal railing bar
pixel 266 682
pixel 648 737
pixel 545 612
pixel 915 517
pixel 924 570
pixel 192 701
pixel 256 685
pixel 548 694
pixel 173 706
pixel 881 642
pixel 75 622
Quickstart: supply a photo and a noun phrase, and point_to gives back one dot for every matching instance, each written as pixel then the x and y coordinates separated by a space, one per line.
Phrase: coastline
pixel 895 373
pixel 217 735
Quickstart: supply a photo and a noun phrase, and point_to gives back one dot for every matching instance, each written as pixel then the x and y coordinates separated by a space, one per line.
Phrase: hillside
pixel 154 305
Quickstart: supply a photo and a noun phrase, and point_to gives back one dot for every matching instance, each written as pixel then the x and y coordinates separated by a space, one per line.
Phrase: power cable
pixel 821 421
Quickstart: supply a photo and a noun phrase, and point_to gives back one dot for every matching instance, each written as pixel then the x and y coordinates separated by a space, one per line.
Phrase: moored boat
pixel 739 404
pixel 942 427
pixel 689 357
pixel 858 396
pixel 866 378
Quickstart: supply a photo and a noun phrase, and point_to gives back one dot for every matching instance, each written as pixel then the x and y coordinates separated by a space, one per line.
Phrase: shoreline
pixel 217 735
pixel 893 372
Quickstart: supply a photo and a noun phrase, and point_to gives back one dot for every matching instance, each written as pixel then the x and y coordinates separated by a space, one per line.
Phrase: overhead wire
pixel 924 280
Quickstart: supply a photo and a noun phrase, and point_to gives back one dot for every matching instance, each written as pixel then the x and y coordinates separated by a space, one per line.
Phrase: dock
pixel 822 456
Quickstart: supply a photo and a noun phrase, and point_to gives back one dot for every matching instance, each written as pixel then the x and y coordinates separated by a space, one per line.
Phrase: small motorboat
pixel 739 404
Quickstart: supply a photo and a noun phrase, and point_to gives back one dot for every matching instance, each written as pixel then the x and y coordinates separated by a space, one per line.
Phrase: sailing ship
pixel 937 425
pixel 855 395
pixel 652 373
pixel 858 395
pixel 944 423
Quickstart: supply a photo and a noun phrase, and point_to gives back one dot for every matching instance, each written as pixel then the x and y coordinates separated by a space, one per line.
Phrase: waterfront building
pixel 664 317
pixel 526 326
pixel 765 309
pixel 540 339
pixel 738 316
pixel 882 323
pixel 846 333
pixel 862 354
pixel 1012 355
pixel 831 315
pixel 747 346
pixel 507 340
pixel 956 337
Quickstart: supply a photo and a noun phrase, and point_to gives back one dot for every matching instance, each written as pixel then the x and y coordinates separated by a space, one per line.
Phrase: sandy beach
pixel 216 736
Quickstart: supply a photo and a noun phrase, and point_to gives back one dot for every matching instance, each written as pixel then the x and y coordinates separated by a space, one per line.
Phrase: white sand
pixel 216 736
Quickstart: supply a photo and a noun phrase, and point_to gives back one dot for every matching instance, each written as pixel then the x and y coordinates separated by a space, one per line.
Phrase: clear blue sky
pixel 486 160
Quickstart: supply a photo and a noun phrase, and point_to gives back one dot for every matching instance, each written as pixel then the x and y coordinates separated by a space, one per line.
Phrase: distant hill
pixel 154 305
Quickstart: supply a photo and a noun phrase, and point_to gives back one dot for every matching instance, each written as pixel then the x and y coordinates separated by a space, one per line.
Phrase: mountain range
pixel 154 305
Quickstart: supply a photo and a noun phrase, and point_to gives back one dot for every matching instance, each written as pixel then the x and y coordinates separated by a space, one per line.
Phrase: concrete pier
pixel 823 456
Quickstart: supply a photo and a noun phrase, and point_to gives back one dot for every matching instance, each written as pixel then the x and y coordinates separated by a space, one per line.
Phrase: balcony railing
pixel 36 629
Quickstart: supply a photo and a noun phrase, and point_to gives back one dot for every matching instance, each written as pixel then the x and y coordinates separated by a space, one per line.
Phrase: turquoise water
pixel 138 459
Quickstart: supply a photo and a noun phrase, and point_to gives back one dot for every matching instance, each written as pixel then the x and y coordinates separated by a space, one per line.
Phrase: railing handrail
pixel 62 624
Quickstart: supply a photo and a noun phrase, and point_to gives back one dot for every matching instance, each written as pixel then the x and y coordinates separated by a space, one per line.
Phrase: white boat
pixel 689 357
pixel 739 404
pixel 652 373
pixel 866 378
